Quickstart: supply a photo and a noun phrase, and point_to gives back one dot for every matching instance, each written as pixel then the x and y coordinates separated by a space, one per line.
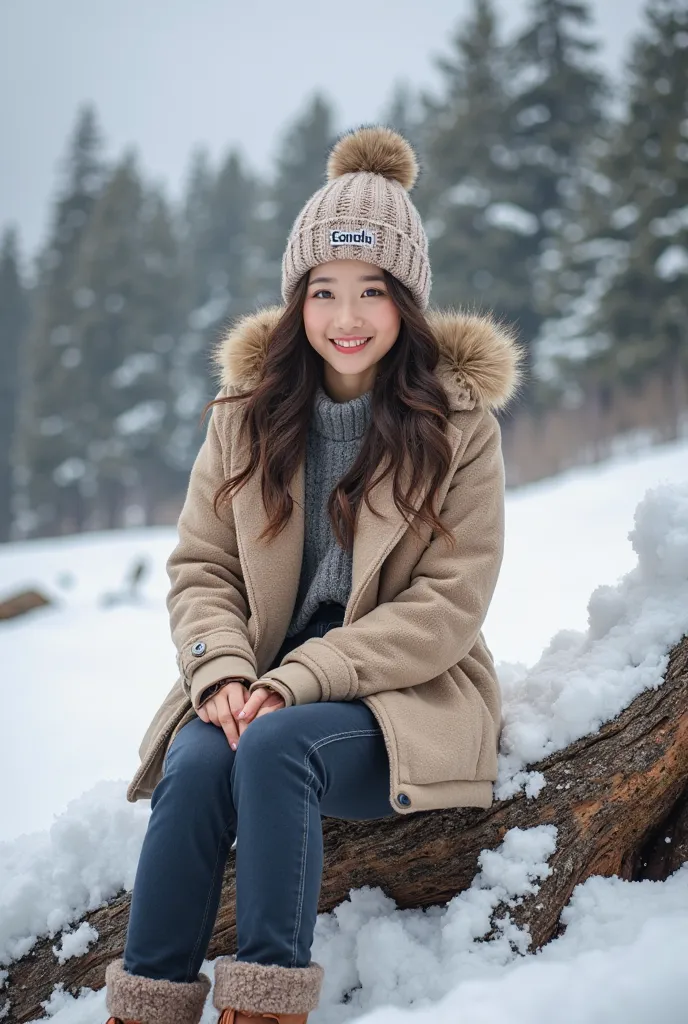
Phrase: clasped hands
pixel 232 708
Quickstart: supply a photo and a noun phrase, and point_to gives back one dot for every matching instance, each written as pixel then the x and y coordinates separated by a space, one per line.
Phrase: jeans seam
pixel 306 820
pixel 207 904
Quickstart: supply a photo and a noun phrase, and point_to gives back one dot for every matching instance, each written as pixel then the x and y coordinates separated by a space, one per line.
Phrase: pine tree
pixel 13 322
pixel 106 282
pixel 190 373
pixel 195 226
pixel 225 257
pixel 195 219
pixel 557 120
pixel 642 247
pixel 506 143
pixel 298 174
pixel 222 261
pixel 148 372
pixel 129 282
pixel 476 239
pixel 49 498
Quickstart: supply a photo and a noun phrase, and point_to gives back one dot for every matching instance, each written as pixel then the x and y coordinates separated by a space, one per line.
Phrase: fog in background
pixel 165 75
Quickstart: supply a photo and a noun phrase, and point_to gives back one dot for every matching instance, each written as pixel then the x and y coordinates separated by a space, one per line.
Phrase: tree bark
pixel 614 797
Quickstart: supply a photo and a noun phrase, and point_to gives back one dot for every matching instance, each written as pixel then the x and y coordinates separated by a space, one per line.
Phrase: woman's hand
pixel 223 708
pixel 261 702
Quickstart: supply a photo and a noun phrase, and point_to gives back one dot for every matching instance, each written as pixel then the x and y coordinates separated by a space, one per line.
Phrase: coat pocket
pixel 438 730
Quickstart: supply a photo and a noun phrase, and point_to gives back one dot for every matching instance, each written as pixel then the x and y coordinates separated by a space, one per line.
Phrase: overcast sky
pixel 167 74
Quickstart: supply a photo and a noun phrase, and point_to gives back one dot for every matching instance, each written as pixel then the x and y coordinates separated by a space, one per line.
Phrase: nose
pixel 347 319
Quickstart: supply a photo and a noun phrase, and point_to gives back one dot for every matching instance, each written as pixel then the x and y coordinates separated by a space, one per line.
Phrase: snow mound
pixel 374 953
pixel 50 879
pixel 585 679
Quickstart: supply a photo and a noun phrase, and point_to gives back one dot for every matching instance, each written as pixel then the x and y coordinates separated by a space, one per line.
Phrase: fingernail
pixel 242 714
pixel 233 746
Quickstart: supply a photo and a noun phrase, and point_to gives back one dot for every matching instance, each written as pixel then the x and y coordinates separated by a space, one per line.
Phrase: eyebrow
pixel 333 280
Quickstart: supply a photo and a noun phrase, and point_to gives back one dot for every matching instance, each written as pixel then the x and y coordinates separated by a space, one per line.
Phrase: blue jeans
pixel 290 767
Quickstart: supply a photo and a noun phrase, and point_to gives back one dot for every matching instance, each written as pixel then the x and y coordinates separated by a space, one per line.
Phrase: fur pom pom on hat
pixel 376 150
pixel 363 212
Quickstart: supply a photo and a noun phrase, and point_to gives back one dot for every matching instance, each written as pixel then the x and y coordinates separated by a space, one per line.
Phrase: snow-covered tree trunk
pixel 21 603
pixel 615 797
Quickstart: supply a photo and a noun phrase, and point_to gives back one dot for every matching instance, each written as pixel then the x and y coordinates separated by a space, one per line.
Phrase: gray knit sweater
pixel 335 435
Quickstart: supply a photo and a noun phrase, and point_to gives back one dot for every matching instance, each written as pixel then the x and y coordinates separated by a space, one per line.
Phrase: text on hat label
pixel 364 236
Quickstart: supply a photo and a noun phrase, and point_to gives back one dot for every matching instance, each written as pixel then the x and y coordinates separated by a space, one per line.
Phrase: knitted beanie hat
pixel 363 212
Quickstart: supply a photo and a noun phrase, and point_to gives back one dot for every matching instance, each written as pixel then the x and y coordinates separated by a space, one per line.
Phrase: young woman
pixel 338 550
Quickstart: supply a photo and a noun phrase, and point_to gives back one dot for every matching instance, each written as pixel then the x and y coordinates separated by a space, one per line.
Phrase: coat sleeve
pixel 435 622
pixel 207 600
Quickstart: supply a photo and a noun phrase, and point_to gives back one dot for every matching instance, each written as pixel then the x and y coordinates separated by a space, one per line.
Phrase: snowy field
pixel 82 681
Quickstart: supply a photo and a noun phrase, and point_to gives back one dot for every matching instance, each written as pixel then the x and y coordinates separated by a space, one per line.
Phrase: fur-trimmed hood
pixel 479 361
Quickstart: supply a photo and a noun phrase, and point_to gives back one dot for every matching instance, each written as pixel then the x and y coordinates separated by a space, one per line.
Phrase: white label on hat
pixel 364 236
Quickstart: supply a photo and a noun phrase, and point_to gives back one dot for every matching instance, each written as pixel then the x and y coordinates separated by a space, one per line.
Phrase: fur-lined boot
pixel 282 994
pixel 133 999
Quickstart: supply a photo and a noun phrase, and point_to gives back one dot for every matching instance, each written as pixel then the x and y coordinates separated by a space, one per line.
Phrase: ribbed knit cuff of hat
pixel 155 1001
pixel 266 988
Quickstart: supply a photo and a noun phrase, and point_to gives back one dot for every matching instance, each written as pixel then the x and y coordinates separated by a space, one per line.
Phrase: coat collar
pixel 479 366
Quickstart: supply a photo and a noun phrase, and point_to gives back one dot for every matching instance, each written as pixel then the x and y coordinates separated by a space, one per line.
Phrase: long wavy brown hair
pixel 409 412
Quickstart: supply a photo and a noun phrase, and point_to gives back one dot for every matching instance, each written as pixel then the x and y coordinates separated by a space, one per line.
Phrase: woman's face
pixel 348 300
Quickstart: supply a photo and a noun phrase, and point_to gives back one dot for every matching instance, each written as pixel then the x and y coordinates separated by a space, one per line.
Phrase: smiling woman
pixel 330 647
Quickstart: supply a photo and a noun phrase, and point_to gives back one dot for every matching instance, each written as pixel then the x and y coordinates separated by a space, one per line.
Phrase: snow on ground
pixel 83 681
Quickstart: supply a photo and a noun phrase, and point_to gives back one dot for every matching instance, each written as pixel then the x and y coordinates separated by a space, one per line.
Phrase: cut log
pixel 21 603
pixel 614 797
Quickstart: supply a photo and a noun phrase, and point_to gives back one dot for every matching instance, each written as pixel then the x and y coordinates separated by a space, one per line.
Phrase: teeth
pixel 350 344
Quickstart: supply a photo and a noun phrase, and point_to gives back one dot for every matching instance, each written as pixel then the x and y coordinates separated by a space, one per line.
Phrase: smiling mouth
pixel 350 346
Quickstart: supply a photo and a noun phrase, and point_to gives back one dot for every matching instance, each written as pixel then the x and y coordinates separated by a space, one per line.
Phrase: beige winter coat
pixel 411 645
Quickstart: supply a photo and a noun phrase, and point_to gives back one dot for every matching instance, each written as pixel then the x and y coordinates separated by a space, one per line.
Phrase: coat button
pixel 198 649
pixel 403 799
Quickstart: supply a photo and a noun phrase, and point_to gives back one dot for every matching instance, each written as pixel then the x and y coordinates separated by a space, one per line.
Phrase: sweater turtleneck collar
pixel 341 421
